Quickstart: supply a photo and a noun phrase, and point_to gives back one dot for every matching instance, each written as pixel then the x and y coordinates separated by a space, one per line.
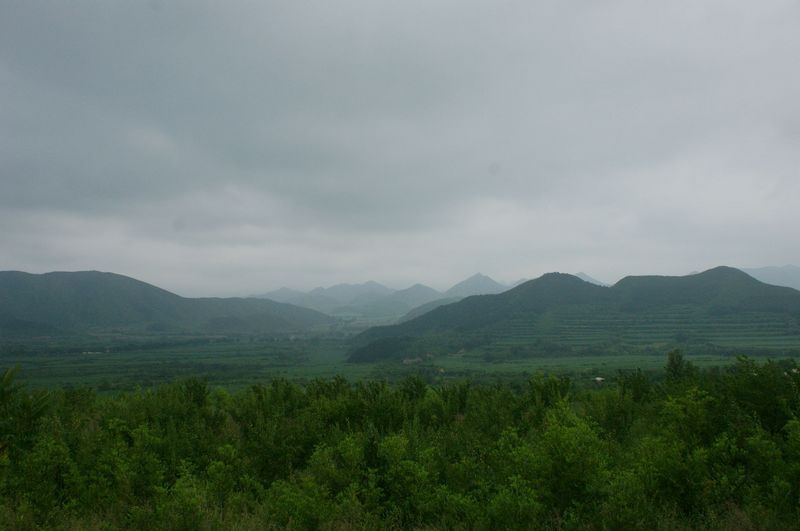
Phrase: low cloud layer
pixel 231 148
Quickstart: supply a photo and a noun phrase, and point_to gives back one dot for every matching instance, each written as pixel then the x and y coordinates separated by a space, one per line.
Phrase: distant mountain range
pixel 80 302
pixel 374 301
pixel 722 306
pixel 346 293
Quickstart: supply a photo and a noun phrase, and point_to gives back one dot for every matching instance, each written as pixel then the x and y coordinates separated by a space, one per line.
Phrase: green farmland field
pixel 236 363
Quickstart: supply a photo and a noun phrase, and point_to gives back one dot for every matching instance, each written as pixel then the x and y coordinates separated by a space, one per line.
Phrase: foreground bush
pixel 716 449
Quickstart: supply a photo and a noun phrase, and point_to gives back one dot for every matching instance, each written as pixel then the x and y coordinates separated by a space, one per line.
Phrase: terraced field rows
pixel 581 328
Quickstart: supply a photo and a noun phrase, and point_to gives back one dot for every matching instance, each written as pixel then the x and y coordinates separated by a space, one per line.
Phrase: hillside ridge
pixel 74 302
pixel 719 306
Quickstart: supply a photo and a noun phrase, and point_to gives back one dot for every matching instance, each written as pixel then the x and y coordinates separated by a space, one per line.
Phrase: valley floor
pixel 236 363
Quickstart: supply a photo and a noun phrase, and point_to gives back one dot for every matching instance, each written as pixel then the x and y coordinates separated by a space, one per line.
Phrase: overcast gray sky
pixel 229 148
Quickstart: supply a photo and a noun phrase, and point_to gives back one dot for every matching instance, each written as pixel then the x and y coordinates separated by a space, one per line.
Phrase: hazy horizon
pixel 234 148
pixel 440 288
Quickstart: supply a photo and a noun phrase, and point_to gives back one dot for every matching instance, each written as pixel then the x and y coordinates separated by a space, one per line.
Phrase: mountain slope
pixel 722 306
pixel 90 300
pixel 425 308
pixel 340 300
pixel 583 276
pixel 314 301
pixel 529 298
pixel 389 307
pixel 416 295
pixel 347 293
pixel 719 290
pixel 283 294
pixel 369 300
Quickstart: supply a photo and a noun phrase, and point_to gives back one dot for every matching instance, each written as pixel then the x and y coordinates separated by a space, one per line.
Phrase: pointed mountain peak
pixel 477 284
pixel 419 287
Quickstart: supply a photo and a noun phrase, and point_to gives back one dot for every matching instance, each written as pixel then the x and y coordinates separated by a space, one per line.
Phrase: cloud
pixel 231 148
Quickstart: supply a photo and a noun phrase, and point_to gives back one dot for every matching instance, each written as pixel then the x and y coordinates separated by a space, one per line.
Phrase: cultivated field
pixel 236 363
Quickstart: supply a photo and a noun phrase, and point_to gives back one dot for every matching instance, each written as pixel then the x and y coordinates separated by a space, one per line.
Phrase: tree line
pixel 686 448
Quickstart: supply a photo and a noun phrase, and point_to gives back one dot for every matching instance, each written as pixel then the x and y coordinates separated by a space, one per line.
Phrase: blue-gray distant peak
pixel 347 293
pixel 477 284
pixel 583 276
pixel 283 294
pixel 788 275
pixel 416 295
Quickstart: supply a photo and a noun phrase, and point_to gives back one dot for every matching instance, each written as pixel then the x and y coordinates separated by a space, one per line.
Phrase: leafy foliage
pixel 689 449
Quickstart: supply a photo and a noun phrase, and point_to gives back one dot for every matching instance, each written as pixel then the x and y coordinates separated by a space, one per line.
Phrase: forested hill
pixel 718 290
pixel 719 306
pixel 70 302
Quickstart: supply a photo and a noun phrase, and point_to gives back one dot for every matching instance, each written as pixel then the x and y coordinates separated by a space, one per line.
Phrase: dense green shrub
pixel 690 449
